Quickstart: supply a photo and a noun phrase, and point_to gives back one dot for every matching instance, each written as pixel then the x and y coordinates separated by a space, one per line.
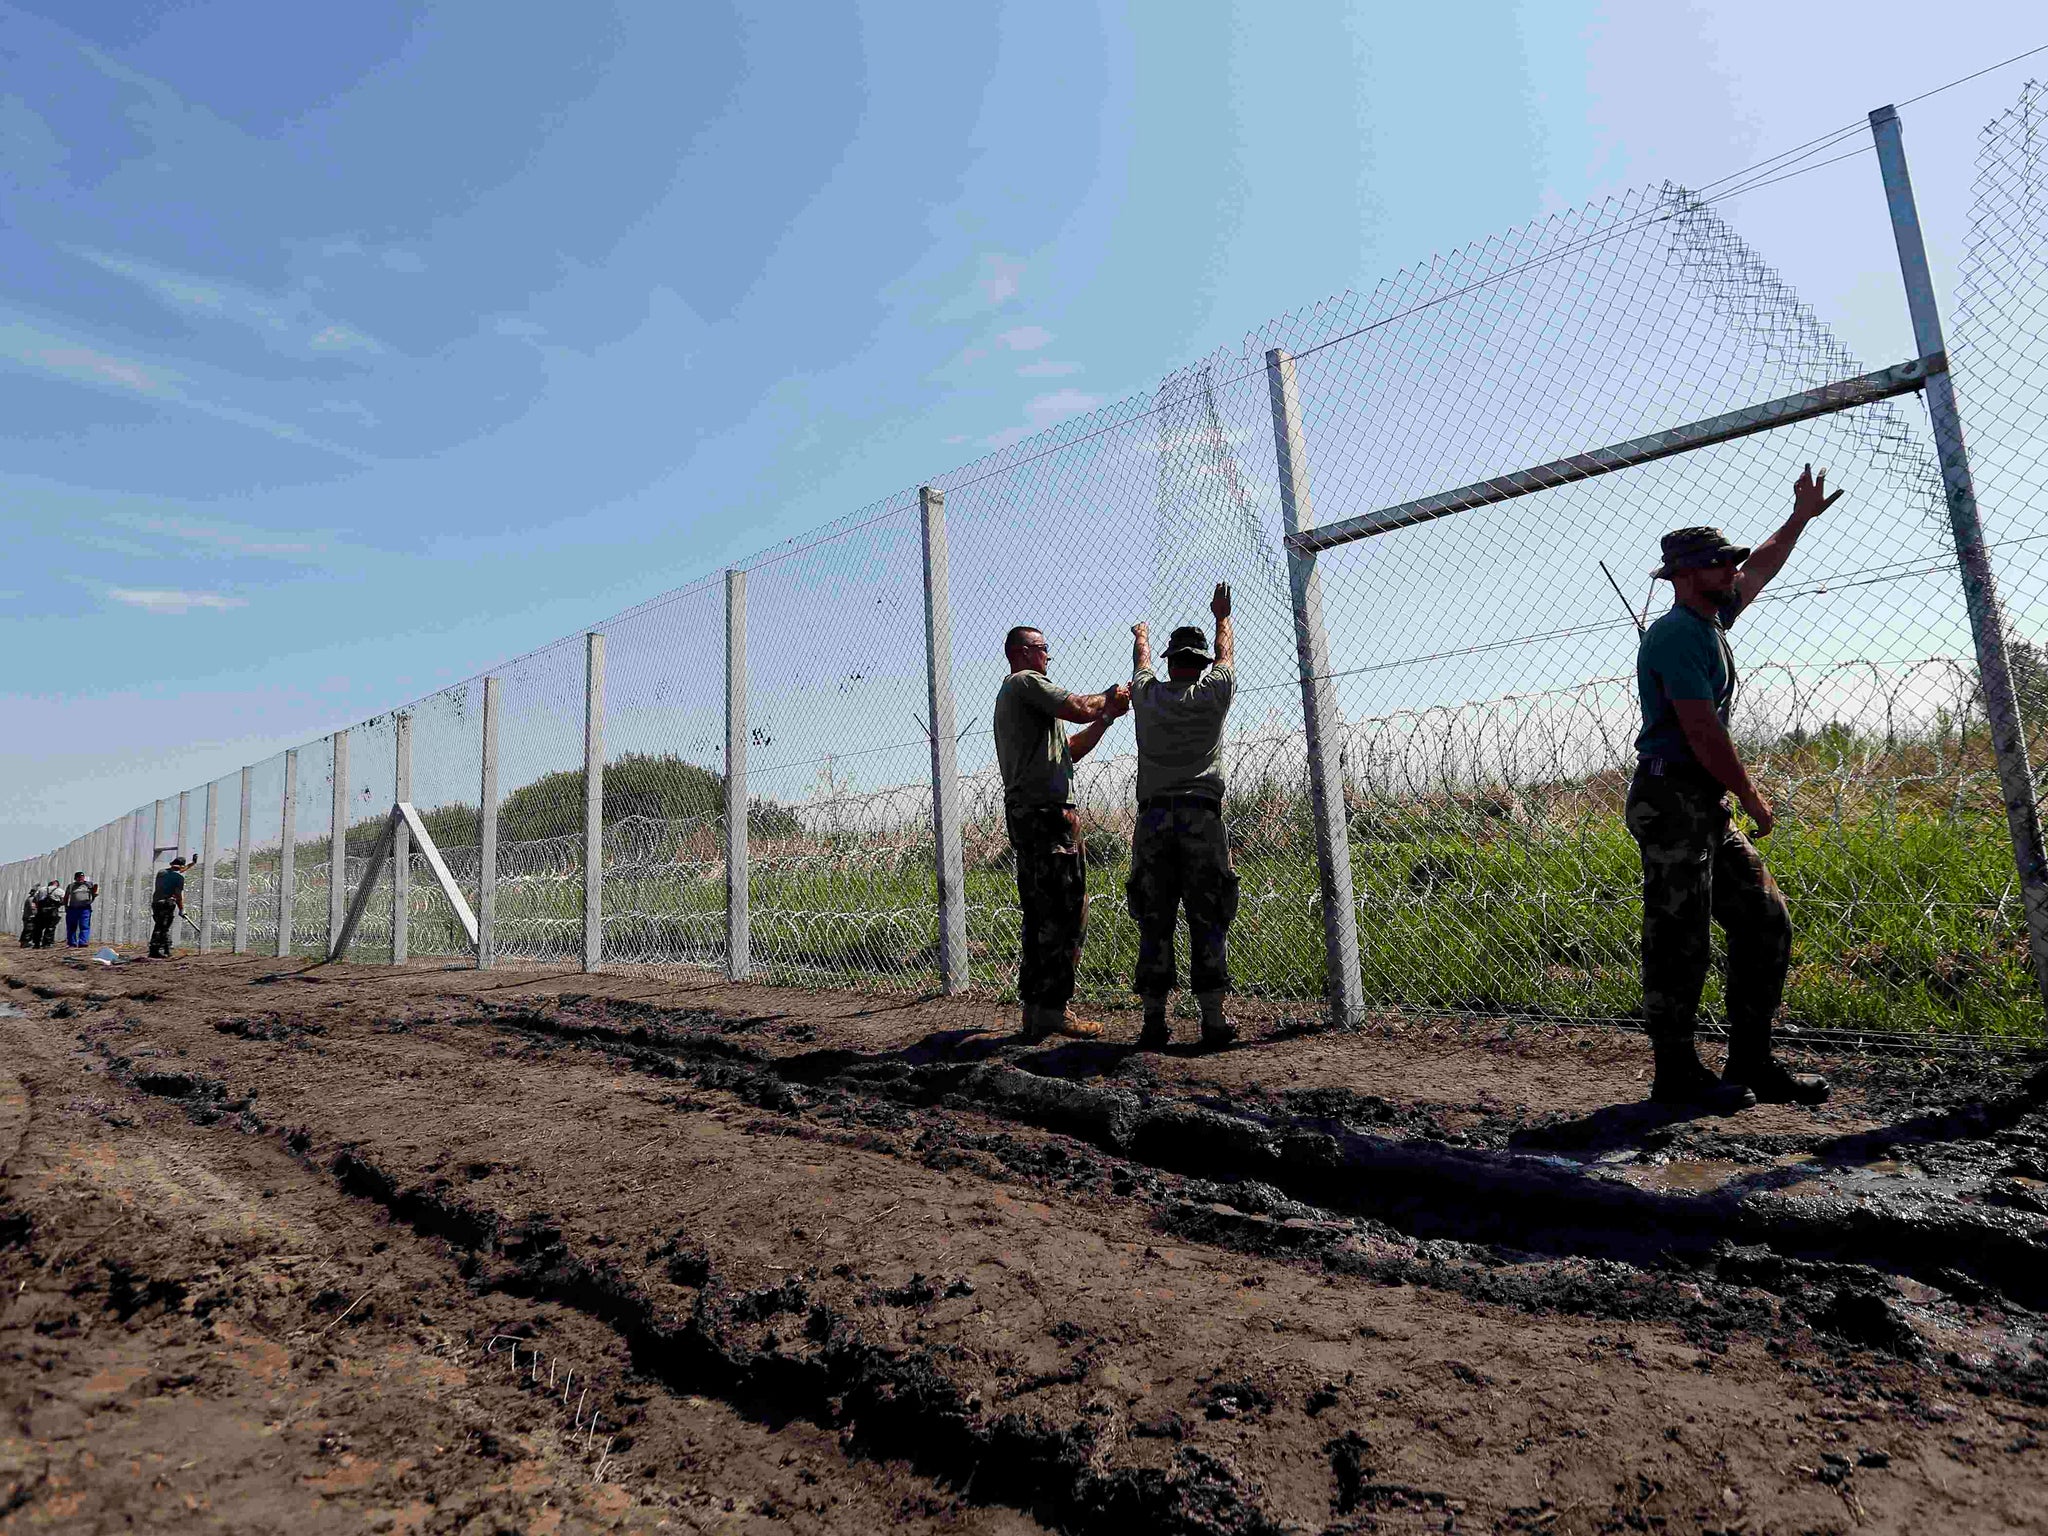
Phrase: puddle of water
pixel 1685 1175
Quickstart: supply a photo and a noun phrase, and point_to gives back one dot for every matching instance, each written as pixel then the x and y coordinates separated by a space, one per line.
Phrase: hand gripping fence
pixel 785 771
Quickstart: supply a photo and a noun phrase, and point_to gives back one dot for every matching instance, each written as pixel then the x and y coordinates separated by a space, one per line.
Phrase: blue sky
pixel 345 351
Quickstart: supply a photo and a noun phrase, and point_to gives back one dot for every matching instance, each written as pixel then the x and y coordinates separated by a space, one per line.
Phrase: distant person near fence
pixel 1180 849
pixel 79 896
pixel 1698 866
pixel 49 910
pixel 166 906
pixel 1037 762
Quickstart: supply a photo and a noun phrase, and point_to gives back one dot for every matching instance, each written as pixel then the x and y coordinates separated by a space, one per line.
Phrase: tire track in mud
pixel 723 1327
pixel 1417 1188
pixel 775 1354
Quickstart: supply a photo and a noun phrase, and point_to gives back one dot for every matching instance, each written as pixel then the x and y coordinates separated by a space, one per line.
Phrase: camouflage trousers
pixel 1699 869
pixel 1180 856
pixel 1052 892
pixel 161 915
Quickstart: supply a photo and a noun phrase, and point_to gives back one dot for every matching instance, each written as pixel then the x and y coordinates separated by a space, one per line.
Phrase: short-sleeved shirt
pixel 1180 731
pixel 1031 742
pixel 79 893
pixel 170 884
pixel 1683 657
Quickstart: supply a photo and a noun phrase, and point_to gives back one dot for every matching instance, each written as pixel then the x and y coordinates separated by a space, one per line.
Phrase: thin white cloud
pixel 287 322
pixel 30 346
pixel 226 538
pixel 169 601
pixel 1046 368
pixel 1042 411
pixel 999 278
pixel 1026 338
pixel 995 283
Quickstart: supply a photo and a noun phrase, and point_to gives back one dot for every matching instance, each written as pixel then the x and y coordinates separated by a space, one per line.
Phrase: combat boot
pixel 1685 1082
pixel 1771 1081
pixel 1155 1034
pixel 1039 1023
pixel 1217 1031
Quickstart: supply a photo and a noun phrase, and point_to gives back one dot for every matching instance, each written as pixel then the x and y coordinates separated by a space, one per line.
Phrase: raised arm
pixel 1091 708
pixel 1141 647
pixel 1226 637
pixel 1081 743
pixel 1810 498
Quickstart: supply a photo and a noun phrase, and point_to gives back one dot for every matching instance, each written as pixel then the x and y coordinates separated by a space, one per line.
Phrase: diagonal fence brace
pixel 402 814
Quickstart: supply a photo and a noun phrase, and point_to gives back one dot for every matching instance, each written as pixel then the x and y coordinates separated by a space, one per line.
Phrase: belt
pixel 1683 770
pixel 1181 802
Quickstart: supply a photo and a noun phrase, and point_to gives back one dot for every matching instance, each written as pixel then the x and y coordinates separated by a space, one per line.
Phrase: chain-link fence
pixel 1475 671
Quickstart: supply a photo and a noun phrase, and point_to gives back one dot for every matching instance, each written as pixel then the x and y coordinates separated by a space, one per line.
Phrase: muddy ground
pixel 307 1248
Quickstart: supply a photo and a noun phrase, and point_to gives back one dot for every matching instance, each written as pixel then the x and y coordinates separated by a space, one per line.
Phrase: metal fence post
pixel 401 841
pixel 337 846
pixel 1324 725
pixel 739 955
pixel 948 856
pixel 209 852
pixel 288 857
pixel 1980 585
pixel 487 837
pixel 241 942
pixel 593 800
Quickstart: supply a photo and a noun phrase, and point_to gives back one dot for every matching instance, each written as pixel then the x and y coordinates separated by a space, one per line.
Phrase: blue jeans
pixel 78 926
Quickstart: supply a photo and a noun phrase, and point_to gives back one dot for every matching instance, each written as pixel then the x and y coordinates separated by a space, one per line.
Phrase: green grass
pixel 1901 897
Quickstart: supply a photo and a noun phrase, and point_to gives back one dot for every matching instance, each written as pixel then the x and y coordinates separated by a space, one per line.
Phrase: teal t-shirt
pixel 1683 656
pixel 170 884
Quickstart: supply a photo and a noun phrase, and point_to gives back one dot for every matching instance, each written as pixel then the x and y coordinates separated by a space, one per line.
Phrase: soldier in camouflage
pixel 1698 866
pixel 1037 759
pixel 1180 850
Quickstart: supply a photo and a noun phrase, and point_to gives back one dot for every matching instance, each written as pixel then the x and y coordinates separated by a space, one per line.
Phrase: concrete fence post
pixel 1980 583
pixel 593 801
pixel 184 825
pixel 209 852
pixel 487 836
pixel 241 943
pixel 401 841
pixel 739 956
pixel 948 856
pixel 288 857
pixel 337 846
pixel 1324 724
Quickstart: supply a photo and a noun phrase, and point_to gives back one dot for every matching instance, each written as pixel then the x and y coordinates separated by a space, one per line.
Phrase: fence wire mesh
pixel 1482 665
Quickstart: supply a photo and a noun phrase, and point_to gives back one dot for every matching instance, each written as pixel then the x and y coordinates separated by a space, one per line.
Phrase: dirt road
pixel 347 1248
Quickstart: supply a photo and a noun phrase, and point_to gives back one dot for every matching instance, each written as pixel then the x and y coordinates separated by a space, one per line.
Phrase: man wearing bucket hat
pixel 1698 866
pixel 1180 851
pixel 166 905
pixel 1036 758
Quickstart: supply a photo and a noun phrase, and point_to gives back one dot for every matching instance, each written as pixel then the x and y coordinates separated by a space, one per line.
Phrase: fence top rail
pixel 1844 394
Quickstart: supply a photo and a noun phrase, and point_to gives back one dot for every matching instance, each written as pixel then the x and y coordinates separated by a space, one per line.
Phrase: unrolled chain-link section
pixel 1438 719
pixel 1999 342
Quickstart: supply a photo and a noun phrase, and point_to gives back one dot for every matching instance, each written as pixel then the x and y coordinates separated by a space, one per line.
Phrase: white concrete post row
pixel 948 855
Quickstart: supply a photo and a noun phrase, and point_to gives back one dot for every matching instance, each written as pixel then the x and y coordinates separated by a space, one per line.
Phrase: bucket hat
pixel 1693 549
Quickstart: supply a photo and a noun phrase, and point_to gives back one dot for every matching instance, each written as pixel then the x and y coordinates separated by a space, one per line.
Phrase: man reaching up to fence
pixel 1180 852
pixel 166 906
pixel 1698 866
pixel 1037 761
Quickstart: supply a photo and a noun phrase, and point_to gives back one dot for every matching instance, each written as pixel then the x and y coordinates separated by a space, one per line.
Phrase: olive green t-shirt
pixel 1031 742
pixel 1682 656
pixel 1180 732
